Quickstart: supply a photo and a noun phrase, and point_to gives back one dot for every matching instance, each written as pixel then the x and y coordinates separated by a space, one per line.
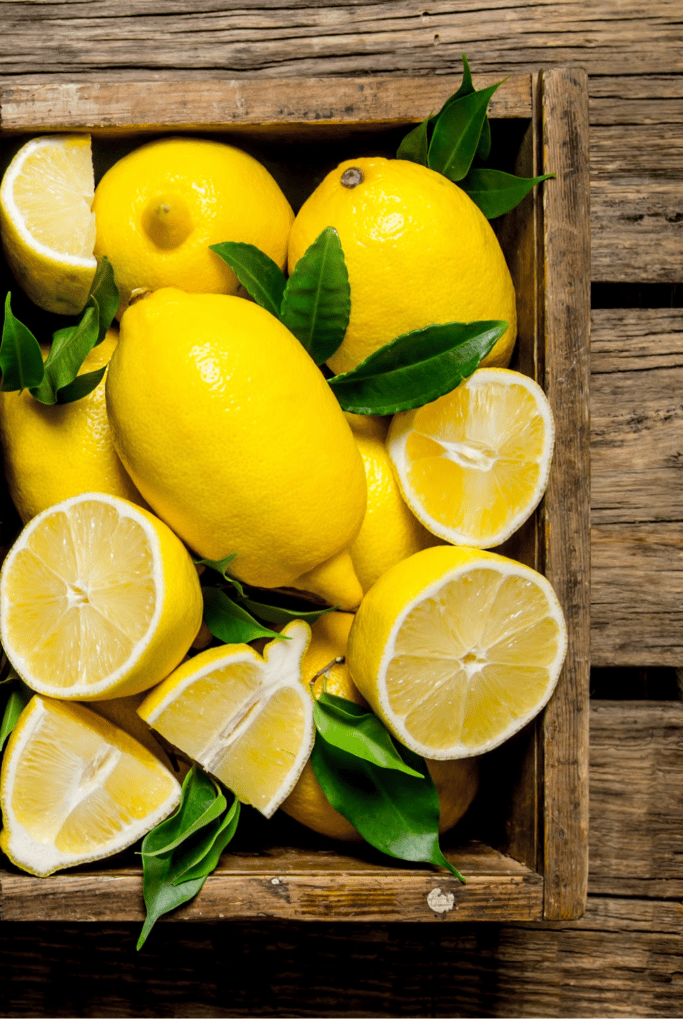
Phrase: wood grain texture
pixel 286 884
pixel 636 773
pixel 636 487
pixel 564 101
pixel 345 37
pixel 623 959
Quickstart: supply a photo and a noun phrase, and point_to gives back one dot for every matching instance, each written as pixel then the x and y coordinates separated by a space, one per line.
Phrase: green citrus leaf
pixel 350 727
pixel 70 346
pixel 231 623
pixel 17 698
pixel 255 271
pixel 21 360
pixel 396 813
pixel 201 802
pixel 105 296
pixel 175 871
pixel 415 145
pixel 201 861
pixel 280 615
pixel 317 301
pixel 496 192
pixel 457 131
pixel 417 367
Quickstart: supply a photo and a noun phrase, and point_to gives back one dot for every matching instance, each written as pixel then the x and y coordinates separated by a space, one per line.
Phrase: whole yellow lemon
pixel 418 252
pixel 456 781
pixel 234 438
pixel 53 452
pixel 158 209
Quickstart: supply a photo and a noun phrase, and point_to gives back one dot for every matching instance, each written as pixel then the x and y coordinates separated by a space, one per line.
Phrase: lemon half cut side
pixel 75 788
pixel 456 649
pixel 474 464
pixel 98 599
pixel 244 717
pixel 46 221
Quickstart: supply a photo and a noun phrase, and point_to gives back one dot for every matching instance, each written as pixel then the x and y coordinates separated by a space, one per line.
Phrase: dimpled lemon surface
pixel 418 252
pixel 160 207
pixel 53 452
pixel 232 435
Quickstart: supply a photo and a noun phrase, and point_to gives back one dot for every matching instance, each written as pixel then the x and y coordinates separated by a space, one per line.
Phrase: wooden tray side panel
pixel 564 100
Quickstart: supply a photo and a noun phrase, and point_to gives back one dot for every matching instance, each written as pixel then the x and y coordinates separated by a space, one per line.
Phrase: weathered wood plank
pixel 286 884
pixel 347 37
pixel 566 287
pixel 636 487
pixel 636 821
pixel 623 959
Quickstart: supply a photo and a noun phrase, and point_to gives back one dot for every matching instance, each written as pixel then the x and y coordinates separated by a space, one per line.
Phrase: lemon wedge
pixel 244 717
pixel 456 649
pixel 46 221
pixel 98 599
pixel 474 464
pixel 75 788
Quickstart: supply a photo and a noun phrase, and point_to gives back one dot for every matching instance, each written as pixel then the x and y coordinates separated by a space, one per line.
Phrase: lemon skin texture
pixel 232 435
pixel 456 781
pixel 159 208
pixel 53 452
pixel 418 252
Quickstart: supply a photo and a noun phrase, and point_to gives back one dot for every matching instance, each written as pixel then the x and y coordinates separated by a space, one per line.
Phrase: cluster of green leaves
pixel 456 142
pixel 383 789
pixel 315 304
pixel 180 853
pixel 56 380
pixel 241 618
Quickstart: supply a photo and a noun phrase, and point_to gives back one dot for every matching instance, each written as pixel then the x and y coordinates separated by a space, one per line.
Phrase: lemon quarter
pixel 245 717
pixel 46 221
pixel 75 788
pixel 456 649
pixel 98 599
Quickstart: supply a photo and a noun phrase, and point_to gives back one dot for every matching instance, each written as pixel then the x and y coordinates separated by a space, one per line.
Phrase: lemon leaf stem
pixel 416 368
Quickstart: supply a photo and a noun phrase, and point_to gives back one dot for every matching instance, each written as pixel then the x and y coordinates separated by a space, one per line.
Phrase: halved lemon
pixel 244 717
pixel 98 599
pixel 75 788
pixel 474 464
pixel 456 649
pixel 46 221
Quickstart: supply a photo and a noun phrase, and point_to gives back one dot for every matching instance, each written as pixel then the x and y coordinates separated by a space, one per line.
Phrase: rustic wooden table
pixel 624 958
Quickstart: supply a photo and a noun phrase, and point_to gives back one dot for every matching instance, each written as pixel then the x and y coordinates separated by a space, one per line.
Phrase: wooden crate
pixel 523 844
